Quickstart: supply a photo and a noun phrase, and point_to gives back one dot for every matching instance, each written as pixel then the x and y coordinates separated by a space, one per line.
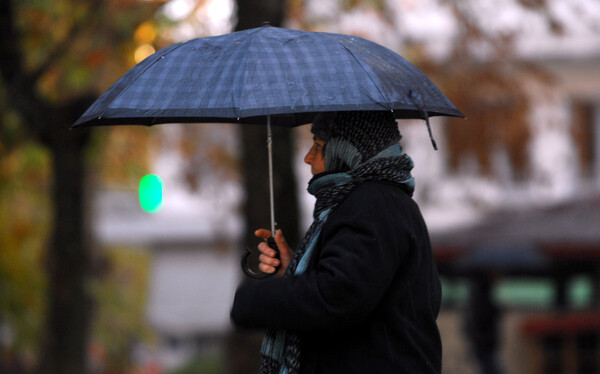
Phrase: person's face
pixel 315 157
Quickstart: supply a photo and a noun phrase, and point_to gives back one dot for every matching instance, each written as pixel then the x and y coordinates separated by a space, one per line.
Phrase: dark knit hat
pixel 354 137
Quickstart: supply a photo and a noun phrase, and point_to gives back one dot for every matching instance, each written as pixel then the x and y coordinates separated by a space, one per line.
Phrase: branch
pixel 59 49
pixel 11 55
pixel 39 116
pixel 20 89
pixel 11 60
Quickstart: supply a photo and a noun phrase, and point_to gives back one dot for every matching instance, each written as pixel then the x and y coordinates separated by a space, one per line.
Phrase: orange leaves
pixel 144 36
pixel 95 58
pixel 533 4
pixel 208 153
pixel 125 154
pixel 496 105
pixel 145 33
pixel 77 44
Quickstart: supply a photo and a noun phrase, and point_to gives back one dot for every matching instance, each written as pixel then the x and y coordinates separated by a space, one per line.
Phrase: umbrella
pixel 267 75
pixel 248 75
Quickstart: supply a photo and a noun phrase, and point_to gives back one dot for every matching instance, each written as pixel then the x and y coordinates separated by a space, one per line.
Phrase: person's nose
pixel 309 157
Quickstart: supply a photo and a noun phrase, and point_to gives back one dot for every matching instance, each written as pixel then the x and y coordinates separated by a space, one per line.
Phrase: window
pixel 568 343
pixel 586 133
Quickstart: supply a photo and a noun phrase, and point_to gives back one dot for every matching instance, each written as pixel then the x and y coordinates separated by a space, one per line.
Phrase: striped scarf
pixel 281 349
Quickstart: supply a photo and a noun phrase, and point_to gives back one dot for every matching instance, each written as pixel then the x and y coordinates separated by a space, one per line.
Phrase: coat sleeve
pixel 362 245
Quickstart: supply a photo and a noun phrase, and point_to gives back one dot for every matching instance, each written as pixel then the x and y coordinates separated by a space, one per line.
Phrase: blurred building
pixel 195 269
pixel 522 271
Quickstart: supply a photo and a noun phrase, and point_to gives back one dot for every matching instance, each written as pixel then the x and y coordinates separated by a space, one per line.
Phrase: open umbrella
pixel 267 75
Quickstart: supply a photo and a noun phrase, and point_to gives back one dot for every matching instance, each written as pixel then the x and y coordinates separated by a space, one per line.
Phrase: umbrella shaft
pixel 271 193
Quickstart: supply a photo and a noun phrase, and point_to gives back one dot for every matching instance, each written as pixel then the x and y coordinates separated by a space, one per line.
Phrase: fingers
pixel 266 268
pixel 267 261
pixel 280 241
pixel 268 264
pixel 262 233
pixel 264 248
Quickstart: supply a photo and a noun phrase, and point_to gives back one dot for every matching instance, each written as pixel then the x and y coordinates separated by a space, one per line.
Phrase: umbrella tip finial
pixel 266 23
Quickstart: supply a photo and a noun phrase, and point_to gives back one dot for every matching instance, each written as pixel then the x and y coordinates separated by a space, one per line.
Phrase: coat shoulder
pixel 377 195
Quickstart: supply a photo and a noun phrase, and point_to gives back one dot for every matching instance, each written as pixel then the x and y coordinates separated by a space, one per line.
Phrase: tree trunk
pixel 254 150
pixel 244 347
pixel 68 313
pixel 68 304
pixel 256 176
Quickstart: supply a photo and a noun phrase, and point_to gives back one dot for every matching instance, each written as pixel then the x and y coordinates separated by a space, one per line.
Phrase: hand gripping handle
pixel 261 275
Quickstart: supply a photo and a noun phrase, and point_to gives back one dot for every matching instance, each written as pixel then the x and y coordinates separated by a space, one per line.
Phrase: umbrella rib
pixel 237 101
pixel 246 44
pixel 173 48
pixel 369 74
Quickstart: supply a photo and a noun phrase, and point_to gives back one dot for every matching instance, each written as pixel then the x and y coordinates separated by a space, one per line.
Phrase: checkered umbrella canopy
pixel 248 75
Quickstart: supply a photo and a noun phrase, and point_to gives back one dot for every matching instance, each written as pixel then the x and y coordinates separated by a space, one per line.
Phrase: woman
pixel 361 293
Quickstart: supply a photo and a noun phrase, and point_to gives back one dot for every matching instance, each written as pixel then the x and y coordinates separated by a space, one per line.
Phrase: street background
pixel 90 282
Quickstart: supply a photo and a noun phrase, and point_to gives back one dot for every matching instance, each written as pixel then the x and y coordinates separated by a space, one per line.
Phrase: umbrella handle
pixel 252 274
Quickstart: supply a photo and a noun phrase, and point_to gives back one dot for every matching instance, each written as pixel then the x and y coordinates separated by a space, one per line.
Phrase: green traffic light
pixel 151 193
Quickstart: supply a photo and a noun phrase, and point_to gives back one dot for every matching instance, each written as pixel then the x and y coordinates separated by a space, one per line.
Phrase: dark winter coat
pixel 368 301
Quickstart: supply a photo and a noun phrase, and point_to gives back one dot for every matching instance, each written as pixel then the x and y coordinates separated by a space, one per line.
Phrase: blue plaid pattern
pixel 246 75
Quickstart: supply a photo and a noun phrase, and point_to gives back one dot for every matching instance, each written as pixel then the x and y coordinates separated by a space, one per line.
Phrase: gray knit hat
pixel 354 137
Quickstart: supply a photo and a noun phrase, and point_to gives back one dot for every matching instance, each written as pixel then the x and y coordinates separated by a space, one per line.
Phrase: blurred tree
pixel 491 91
pixel 24 217
pixel 488 80
pixel 54 56
pixel 119 321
